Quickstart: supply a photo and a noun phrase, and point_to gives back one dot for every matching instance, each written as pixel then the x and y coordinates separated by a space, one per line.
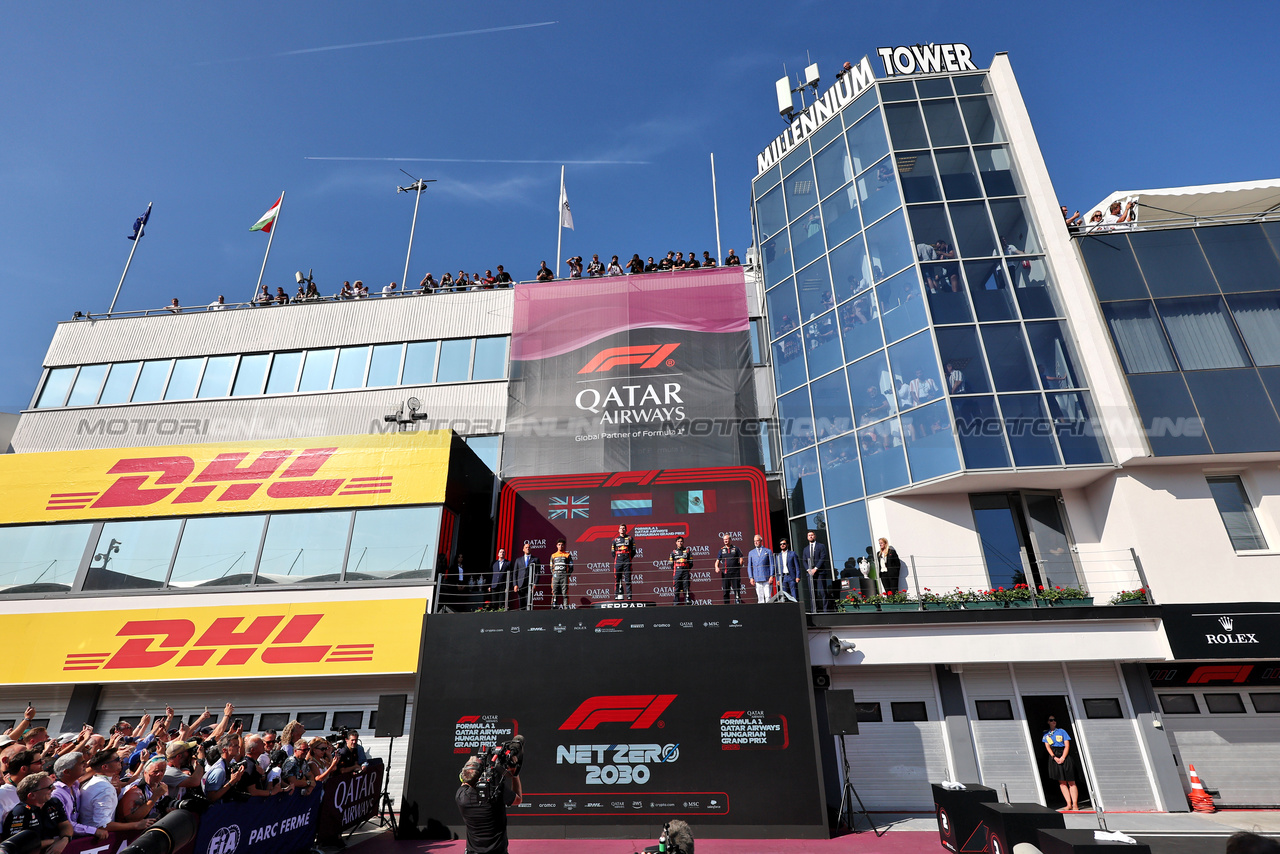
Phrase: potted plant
pixel 1058 596
pixel 897 600
pixel 950 601
pixel 1017 596
pixel 1130 597
pixel 854 602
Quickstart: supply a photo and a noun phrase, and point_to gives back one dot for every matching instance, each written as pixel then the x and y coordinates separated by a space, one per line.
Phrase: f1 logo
pixel 639 710
pixel 649 356
pixel 613 622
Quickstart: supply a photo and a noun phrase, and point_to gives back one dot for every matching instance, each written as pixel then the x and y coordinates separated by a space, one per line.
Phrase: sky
pixel 209 111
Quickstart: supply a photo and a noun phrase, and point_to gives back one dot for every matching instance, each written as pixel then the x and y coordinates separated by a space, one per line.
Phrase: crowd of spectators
pixel 88 784
pixel 448 283
pixel 1119 215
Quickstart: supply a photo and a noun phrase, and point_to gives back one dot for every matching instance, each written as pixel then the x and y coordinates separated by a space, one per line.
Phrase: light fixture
pixel 838 645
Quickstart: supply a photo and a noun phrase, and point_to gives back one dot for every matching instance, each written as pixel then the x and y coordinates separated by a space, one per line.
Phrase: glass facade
pixel 1195 317
pixel 913 322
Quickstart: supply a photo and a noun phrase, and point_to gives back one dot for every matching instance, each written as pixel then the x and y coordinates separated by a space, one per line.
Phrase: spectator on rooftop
pixel 731 260
pixel 348 293
pixel 707 260
pixel 635 265
pixel 312 291
pixel 446 283
pixel 301 294
pixel 263 297
pixel 389 290
pixel 489 279
pixel 615 269
pixel 667 263
pixel 575 266
pixel 362 290
pixel 595 269
pixel 651 267
pixel 692 263
pixel 463 282
pixel 544 273
pixel 174 307
pixel 281 297
pixel 1071 219
pixel 217 305
pixel 504 278
pixel 678 264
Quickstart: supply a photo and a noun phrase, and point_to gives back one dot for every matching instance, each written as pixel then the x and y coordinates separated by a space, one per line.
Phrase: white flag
pixel 566 216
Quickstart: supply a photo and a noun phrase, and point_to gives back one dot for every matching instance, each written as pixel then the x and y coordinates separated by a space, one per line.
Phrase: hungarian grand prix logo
pixel 649 356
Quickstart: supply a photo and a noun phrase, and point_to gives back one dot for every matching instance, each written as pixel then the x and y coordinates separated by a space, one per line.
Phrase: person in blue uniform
pixel 1062 763
pixel 681 563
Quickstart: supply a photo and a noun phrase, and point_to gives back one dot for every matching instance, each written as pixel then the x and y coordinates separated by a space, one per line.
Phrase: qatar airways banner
pixel 630 718
pixel 631 372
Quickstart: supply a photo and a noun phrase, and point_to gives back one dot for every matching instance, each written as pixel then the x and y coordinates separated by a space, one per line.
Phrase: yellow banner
pixel 233 641
pixel 226 477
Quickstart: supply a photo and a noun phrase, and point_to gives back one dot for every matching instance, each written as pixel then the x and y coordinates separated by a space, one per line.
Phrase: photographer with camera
pixel 224 774
pixel 351 753
pixel 483 797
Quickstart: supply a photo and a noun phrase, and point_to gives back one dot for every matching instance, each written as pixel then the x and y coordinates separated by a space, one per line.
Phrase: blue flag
pixel 139 223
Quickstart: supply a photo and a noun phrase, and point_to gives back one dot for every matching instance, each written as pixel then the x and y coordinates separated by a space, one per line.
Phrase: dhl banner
pixel 231 641
pixel 226 477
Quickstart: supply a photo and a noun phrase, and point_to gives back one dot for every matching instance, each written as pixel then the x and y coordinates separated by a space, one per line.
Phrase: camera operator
pixel 485 818
pixel 255 783
pixel 351 753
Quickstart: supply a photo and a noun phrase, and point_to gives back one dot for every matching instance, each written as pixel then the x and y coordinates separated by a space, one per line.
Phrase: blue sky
pixel 210 110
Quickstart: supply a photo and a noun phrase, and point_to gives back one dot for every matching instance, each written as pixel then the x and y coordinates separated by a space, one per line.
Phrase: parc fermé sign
pixel 226 477
pixel 288 639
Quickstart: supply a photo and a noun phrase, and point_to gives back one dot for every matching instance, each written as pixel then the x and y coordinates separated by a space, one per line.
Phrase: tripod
pixel 848 815
pixel 386 808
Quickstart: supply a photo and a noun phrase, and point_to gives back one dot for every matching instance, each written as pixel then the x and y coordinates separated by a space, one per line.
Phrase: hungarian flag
pixel 268 219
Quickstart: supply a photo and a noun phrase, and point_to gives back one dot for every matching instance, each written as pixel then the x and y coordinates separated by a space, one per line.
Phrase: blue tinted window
pixel 771 214
pixel 936 87
pixel 1138 337
pixel 841 474
pixel 455 361
pixel 850 537
pixel 1037 296
pixel 814 286
pixel 959 180
pixel 796 156
pixel 776 258
pixel 906 128
pixel 788 362
pixel 217 550
pixel 1241 257
pixel 216 381
pixel 384 367
pixel 883 465
pixel 1258 318
pixel 878 191
pixel 250 374
pixel 931 449
pixel 151 381
pixel 823 135
pixel 795 423
pixel 1014 228
pixel 316 369
pixel 43 554
pixel 989 290
pixel 964 370
pixel 850 270
pixel 871 389
pixel 831 413
pixel 304 547
pixel 1236 411
pixel 56 385
pixel 420 363
pixel 88 384
pixel 918 175
pixel 800 473
pixel 1007 356
pixel 915 372
pixel 823 345
pixel 352 362
pixel 783 314
pixel 947 301
pixel 800 191
pixel 766 180
pixel 182 382
pixel 1054 355
pixel 119 382
pixel 840 215
pixel 980 118
pixel 1029 429
pixel 135 554
pixel 1079 431
pixel 1202 334
pixel 867 142
pixel 860 326
pixel 806 238
pixel 1112 267
pixel 995 165
pixel 981 433
pixel 486 448
pixel 889 247
pixel 943 121
pixel 393 543
pixel 833 167
pixel 973 230
pixel 904 91
pixel 1172 425
pixel 491 359
pixel 284 372
pixel 1172 263
pixel 901 305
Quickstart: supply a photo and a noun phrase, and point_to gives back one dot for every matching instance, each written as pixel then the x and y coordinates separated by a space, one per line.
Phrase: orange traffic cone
pixel 1200 799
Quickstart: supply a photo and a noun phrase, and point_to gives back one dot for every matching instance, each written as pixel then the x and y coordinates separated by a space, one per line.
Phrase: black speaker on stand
pixel 842 720
pixel 390 725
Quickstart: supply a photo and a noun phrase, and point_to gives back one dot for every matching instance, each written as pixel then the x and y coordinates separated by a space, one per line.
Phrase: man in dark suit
pixel 819 571
pixel 526 577
pixel 788 569
pixel 498 580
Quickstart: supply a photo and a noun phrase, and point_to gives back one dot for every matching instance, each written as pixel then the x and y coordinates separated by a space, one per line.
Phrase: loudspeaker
pixel 842 715
pixel 391 715
pixel 821 680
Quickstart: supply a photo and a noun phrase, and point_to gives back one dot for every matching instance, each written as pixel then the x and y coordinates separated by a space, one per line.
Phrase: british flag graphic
pixel 568 507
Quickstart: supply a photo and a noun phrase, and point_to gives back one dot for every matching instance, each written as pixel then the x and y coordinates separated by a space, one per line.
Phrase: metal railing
pixel 338 298
pixel 1144 223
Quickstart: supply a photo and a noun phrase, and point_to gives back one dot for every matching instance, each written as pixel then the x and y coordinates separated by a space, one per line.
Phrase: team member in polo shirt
pixel 37 810
pixel 623 548
pixel 681 563
pixel 1062 765
pixel 729 567
pixel 561 569
pixel 760 570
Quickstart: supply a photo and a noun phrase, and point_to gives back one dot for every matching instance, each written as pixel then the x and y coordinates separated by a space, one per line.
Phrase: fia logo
pixel 226 840
pixel 1226 622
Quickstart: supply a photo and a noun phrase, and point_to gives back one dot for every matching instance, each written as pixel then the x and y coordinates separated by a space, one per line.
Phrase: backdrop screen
pixel 631 718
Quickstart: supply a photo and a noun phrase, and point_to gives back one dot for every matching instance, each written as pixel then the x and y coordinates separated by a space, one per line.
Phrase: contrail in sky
pixel 389 41
pixel 460 160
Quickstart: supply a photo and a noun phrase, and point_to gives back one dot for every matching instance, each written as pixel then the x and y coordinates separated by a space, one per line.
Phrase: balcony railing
pixel 1158 223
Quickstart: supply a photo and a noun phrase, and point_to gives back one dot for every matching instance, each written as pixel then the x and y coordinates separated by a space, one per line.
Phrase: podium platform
pixel 960 814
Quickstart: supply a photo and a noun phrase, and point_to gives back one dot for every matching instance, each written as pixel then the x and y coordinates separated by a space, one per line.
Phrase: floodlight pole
pixel 418 186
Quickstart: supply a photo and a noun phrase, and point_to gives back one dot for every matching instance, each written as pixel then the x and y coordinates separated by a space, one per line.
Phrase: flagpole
pixel 271 236
pixel 559 220
pixel 715 202
pixel 404 280
pixel 129 261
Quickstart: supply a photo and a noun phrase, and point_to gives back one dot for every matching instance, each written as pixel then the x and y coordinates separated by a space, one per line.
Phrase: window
pixel 56 385
pixel 284 373
pixel 1179 704
pixel 351 366
pixel 32 555
pixel 486 448
pixel 1236 512
pixel 88 384
pixel 393 542
pixel 313 721
pixel 868 713
pixel 420 363
pixel 1224 704
pixel 133 555
pixel 316 370
pixel 373 719
pixel 491 359
pixel 217 551
pixel 119 383
pixel 1102 709
pixel 273 720
pixel 1265 704
pixel 251 374
pixel 217 376
pixel 352 720
pixel 1202 334
pixel 1138 337
pixel 183 379
pixel 994 710
pixel 904 712
pixel 304 547
pixel 455 361
pixel 757 357
pixel 384 368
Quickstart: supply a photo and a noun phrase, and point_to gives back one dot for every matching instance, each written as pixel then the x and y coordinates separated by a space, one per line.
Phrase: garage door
pixel 1232 738
pixel 900 749
pixel 1004 753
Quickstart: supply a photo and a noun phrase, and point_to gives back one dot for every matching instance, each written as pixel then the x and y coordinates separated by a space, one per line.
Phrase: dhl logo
pixel 649 356
pixel 154 643
pixel 144 481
